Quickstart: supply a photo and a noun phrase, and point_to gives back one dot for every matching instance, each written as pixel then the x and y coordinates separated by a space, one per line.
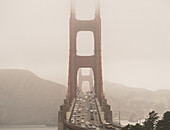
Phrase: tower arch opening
pixel 85 86
pixel 85 79
pixel 85 9
pixel 85 43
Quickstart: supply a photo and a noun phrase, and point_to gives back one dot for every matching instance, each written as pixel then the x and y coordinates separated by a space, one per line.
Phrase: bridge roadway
pixel 85 113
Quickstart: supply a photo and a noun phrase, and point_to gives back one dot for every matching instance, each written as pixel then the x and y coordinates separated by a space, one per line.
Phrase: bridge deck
pixel 85 112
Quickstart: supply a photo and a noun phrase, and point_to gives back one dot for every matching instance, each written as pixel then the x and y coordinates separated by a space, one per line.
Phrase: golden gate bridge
pixel 85 110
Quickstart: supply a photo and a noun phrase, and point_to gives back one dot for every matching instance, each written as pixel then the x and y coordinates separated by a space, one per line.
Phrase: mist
pixel 34 35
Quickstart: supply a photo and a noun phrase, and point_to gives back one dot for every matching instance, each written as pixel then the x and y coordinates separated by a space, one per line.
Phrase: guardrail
pixel 74 102
pixel 98 111
pixel 74 127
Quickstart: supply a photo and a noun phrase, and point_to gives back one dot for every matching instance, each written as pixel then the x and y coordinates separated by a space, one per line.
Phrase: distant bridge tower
pixel 94 61
pixel 83 78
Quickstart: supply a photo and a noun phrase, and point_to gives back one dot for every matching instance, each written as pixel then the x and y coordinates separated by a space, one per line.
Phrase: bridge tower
pixel 83 78
pixel 77 62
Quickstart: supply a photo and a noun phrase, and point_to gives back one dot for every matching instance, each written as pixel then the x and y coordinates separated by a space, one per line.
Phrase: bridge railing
pixel 74 126
pixel 98 111
pixel 72 108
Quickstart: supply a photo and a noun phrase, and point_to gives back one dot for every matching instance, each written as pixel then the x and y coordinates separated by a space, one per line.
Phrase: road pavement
pixel 85 111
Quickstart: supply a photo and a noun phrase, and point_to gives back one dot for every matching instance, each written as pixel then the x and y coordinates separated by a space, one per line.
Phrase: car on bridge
pixel 109 126
pixel 92 117
pixel 72 121
pixel 91 126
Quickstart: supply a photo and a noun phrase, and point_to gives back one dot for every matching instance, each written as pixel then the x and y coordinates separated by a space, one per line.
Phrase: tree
pixel 128 127
pixel 131 127
pixel 150 122
pixel 164 124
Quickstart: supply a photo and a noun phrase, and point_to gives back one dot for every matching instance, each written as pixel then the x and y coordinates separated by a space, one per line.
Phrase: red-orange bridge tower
pixel 77 62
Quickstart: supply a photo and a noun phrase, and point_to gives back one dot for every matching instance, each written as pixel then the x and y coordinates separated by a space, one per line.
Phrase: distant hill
pixel 28 99
pixel 135 103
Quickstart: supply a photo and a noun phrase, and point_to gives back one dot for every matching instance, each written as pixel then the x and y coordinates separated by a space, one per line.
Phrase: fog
pixel 34 35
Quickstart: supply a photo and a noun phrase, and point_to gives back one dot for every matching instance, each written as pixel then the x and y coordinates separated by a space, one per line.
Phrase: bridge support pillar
pixel 62 115
pixel 107 111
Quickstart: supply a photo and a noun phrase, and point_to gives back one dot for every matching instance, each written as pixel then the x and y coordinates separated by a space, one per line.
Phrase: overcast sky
pixel 34 35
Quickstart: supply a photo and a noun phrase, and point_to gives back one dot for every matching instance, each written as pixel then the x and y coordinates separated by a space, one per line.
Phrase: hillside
pixel 135 103
pixel 28 99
